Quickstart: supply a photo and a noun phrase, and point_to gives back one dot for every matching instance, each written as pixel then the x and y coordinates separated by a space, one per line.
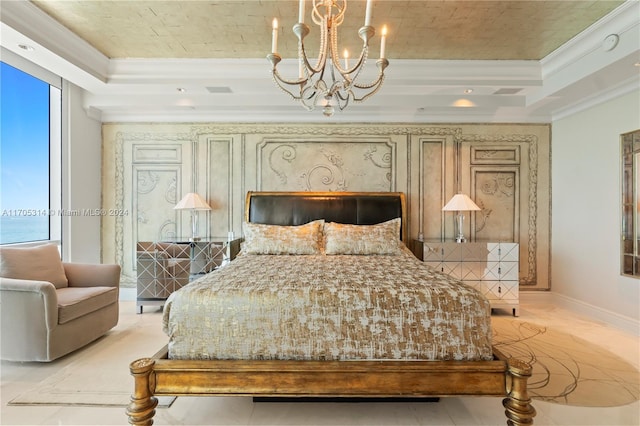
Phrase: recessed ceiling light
pixel 181 89
pixel 463 103
pixel 26 47
pixel 467 91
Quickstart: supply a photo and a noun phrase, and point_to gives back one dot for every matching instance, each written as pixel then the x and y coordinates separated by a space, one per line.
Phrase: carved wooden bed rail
pixel 159 376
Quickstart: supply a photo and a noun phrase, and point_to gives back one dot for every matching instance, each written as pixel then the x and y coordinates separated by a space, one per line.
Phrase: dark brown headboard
pixel 298 208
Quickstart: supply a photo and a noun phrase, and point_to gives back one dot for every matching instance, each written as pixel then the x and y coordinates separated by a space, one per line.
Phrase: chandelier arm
pixel 381 64
pixel 297 82
pixel 377 82
pixel 371 93
pixel 322 55
pixel 335 57
pixel 342 89
pixel 279 83
pixel 365 33
pixel 301 30
pixel 309 102
pixel 343 101
pixel 306 90
pixel 337 86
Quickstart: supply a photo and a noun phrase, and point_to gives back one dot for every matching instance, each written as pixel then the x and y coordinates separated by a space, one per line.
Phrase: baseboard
pixel 596 313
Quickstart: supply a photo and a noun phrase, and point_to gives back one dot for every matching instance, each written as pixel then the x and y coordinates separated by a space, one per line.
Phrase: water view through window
pixel 24 156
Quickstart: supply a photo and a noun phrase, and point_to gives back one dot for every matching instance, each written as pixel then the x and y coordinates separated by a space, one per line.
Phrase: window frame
pixel 56 98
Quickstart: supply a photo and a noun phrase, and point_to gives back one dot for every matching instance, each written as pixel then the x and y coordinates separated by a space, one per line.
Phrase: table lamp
pixel 193 202
pixel 460 203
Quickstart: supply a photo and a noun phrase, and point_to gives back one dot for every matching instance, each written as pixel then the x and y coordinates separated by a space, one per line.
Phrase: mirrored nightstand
pixel 490 267
pixel 166 266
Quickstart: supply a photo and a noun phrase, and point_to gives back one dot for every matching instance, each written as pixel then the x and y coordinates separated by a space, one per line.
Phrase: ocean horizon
pixel 20 229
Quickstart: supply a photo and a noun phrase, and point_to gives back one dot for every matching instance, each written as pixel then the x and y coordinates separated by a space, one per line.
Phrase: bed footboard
pixel 143 404
pixel 517 404
pixel 161 376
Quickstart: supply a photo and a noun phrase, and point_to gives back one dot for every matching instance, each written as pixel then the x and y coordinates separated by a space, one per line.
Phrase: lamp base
pixel 460 237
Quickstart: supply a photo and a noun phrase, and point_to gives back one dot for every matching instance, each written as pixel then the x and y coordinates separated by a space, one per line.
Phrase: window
pixel 29 156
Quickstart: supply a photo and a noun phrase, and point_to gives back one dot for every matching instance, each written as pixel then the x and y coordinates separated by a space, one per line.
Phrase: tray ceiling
pixel 500 30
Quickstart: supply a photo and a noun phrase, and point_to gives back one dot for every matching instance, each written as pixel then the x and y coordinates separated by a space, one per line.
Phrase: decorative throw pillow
pixel 383 238
pixel 279 239
pixel 39 263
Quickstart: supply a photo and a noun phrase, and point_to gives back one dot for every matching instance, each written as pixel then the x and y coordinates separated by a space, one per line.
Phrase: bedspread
pixel 322 307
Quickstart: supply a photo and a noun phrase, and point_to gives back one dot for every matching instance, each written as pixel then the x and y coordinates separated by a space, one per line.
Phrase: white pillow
pixel 279 239
pixel 383 238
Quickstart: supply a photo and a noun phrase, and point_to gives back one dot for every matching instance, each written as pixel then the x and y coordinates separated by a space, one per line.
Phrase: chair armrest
pixel 92 275
pixel 35 296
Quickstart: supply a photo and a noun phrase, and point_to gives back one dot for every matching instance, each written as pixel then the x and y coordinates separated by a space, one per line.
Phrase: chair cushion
pixel 74 302
pixel 39 263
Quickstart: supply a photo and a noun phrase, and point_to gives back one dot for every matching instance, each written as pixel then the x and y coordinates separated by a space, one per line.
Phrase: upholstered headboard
pixel 298 208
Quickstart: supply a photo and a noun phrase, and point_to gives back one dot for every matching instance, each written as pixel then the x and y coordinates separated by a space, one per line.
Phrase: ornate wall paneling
pixel 326 164
pixel 215 169
pixel 505 169
pixel 148 167
pixel 436 169
pixel 500 173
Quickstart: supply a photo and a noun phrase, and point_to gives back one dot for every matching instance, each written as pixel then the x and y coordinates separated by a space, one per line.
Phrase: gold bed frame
pixel 160 376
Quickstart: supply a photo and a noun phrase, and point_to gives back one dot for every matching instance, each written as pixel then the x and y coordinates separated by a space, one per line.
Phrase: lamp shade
pixel 460 203
pixel 192 201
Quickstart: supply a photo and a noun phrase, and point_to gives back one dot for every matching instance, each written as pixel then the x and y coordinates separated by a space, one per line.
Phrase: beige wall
pixel 586 207
pixel 148 167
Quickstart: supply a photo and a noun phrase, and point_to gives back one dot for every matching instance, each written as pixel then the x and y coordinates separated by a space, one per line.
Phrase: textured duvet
pixel 328 307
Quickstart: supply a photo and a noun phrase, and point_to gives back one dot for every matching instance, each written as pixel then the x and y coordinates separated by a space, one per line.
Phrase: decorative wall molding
pixel 131 143
pixel 325 130
pixel 428 163
pixel 326 164
pixel 531 141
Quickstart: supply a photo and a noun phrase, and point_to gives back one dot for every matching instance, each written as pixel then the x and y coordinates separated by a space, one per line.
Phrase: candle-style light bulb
pixel 274 36
pixel 301 12
pixel 346 59
pixel 383 42
pixel 367 14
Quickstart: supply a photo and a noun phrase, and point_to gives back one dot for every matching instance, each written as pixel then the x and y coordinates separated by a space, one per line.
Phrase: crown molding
pixel 622 20
pixel 28 20
pixel 582 70
pixel 622 89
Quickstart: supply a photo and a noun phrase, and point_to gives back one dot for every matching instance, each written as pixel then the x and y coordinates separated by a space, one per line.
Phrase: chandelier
pixel 328 83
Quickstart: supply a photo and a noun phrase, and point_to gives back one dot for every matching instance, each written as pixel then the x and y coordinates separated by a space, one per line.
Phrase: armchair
pixel 49 308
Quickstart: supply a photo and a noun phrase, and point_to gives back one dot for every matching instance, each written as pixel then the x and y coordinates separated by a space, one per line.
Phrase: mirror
pixel 630 180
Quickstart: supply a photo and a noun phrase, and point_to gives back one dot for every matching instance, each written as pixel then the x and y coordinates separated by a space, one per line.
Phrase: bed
pixel 324 341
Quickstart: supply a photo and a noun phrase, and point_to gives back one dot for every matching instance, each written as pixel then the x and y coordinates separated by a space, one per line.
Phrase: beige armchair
pixel 49 308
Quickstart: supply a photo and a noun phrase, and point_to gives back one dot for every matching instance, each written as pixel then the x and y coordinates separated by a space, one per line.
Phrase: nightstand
pixel 490 267
pixel 166 266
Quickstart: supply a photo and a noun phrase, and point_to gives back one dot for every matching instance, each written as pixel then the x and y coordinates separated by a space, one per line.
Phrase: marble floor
pixel 15 378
